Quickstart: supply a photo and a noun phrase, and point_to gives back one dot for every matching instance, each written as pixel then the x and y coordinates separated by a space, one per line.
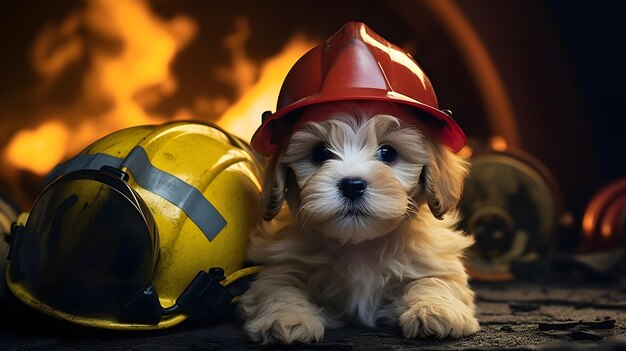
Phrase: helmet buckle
pixel 205 296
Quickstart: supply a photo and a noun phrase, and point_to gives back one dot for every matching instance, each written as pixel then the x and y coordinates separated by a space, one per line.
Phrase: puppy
pixel 364 240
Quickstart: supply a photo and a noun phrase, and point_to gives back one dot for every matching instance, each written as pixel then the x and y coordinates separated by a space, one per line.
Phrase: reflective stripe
pixel 176 191
pixel 161 183
pixel 83 161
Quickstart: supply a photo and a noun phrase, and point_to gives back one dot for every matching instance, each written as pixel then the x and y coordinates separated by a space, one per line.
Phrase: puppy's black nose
pixel 352 188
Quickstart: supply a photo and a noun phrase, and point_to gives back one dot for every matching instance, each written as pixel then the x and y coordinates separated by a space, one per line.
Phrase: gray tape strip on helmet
pixel 83 161
pixel 167 186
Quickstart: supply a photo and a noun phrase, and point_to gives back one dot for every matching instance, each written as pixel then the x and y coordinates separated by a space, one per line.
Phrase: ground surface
pixel 520 316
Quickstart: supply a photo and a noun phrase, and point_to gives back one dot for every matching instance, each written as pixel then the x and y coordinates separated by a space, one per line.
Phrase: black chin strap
pixel 203 298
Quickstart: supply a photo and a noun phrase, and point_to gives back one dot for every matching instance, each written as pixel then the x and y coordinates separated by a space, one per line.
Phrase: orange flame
pixel 244 116
pixel 131 72
pixel 38 149
pixel 125 79
pixel 142 68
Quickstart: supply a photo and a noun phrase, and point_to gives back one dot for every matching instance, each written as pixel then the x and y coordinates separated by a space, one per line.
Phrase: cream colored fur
pixel 394 263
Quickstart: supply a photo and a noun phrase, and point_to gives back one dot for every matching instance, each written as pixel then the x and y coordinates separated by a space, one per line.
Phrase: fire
pixel 244 116
pixel 141 71
pixel 39 149
pixel 128 70
pixel 121 81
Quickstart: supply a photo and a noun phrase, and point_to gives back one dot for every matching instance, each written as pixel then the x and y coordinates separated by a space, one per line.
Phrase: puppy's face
pixel 358 173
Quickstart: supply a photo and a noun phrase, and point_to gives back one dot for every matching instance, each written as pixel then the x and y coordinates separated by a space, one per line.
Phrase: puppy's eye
pixel 386 154
pixel 321 154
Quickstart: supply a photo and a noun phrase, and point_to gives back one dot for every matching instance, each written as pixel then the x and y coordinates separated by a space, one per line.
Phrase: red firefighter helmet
pixel 355 64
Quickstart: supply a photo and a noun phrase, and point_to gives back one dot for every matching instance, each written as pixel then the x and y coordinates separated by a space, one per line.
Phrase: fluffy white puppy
pixel 364 242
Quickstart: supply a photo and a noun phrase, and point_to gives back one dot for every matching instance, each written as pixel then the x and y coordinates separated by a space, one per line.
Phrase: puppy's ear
pixel 443 180
pixel 274 184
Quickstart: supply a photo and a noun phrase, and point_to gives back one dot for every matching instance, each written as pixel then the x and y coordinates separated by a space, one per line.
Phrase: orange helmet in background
pixel 355 64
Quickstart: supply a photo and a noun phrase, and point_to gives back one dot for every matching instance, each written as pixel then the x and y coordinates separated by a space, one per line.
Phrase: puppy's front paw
pixel 285 328
pixel 434 319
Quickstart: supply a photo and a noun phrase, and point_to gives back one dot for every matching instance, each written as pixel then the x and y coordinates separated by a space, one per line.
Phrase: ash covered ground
pixel 520 316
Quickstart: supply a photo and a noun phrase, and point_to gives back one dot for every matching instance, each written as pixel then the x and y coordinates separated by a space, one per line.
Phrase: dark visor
pixel 89 245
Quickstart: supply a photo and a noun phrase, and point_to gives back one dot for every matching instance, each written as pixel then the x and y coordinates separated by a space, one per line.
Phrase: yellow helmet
pixel 143 229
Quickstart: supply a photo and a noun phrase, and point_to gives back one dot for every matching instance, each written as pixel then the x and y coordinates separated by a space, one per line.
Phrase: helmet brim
pixel 270 135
